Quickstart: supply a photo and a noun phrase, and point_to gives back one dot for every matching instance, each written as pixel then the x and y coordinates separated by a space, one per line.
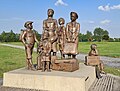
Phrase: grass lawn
pixel 11 58
pixel 14 43
pixel 111 49
pixel 114 71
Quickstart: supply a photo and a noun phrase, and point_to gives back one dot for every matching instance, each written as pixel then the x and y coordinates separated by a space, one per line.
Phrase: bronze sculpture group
pixel 54 36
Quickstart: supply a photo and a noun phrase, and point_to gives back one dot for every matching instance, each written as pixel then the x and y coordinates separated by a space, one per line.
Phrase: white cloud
pixel 91 22
pixel 116 7
pixel 105 22
pixel 104 8
pixel 60 2
pixel 108 7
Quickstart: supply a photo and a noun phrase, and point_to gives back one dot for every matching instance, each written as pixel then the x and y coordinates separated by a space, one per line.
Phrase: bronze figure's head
pixel 28 25
pixel 93 46
pixel 73 16
pixel 61 21
pixel 50 12
pixel 45 35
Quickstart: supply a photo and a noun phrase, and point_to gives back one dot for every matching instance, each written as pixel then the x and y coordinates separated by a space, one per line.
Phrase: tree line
pixel 98 34
pixel 14 37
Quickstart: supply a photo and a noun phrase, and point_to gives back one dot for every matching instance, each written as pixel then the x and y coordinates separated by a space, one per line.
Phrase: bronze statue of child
pixel 45 52
pixel 29 39
pixel 61 36
pixel 94 52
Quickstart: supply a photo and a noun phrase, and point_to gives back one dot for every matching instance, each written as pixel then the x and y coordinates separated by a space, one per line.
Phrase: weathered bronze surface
pixel 61 36
pixel 29 39
pixel 72 32
pixel 94 59
pixel 68 65
pixel 66 38
pixel 44 52
pixel 50 25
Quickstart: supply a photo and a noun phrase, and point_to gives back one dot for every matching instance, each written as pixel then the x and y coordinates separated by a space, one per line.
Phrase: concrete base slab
pixel 79 80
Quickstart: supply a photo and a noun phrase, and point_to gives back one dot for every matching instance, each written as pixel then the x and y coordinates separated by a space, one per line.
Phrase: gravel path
pixel 109 61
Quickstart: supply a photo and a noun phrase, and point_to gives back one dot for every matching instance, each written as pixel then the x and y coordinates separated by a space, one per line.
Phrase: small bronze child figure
pixel 72 30
pixel 29 39
pixel 50 25
pixel 46 49
pixel 61 36
pixel 94 52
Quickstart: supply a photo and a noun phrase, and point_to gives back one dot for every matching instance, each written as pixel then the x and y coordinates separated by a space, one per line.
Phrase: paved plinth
pixel 79 80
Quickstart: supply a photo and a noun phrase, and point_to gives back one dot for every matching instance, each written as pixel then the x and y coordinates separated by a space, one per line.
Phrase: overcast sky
pixel 92 14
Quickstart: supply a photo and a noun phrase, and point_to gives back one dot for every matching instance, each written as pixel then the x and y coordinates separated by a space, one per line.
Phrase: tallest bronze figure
pixel 50 25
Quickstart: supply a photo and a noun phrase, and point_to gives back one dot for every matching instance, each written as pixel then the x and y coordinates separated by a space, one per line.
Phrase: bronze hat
pixel 74 13
pixel 28 22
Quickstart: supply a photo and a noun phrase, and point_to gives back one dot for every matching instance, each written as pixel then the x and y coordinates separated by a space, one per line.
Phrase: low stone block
pixel 79 80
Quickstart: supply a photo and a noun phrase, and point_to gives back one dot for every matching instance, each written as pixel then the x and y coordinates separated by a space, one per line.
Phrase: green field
pixel 11 58
pixel 111 49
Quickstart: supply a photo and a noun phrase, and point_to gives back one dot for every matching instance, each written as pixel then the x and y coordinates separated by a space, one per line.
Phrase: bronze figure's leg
pixel 69 55
pixel 43 66
pixel 73 56
pixel 54 53
pixel 61 54
pixel 29 58
pixel 39 63
pixel 48 66
pixel 101 67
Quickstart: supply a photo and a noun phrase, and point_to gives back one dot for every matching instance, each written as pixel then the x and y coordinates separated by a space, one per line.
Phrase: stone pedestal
pixel 79 80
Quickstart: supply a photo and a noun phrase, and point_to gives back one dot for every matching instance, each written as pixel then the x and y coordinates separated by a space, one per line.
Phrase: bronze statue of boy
pixel 29 39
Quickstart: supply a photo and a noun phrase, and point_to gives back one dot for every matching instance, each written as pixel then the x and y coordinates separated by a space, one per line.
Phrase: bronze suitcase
pixel 70 48
pixel 68 65
pixel 92 60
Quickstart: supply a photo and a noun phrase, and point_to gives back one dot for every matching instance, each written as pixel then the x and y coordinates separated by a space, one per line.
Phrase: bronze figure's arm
pixel 78 30
pixel 44 26
pixel 67 29
pixel 23 38
pixel 36 38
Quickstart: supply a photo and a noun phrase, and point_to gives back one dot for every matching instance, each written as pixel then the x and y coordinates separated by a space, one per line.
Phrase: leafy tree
pixel 83 37
pixel 105 37
pixel 111 40
pixel 99 33
pixel 37 34
pixel 12 36
pixel 116 39
pixel 89 35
